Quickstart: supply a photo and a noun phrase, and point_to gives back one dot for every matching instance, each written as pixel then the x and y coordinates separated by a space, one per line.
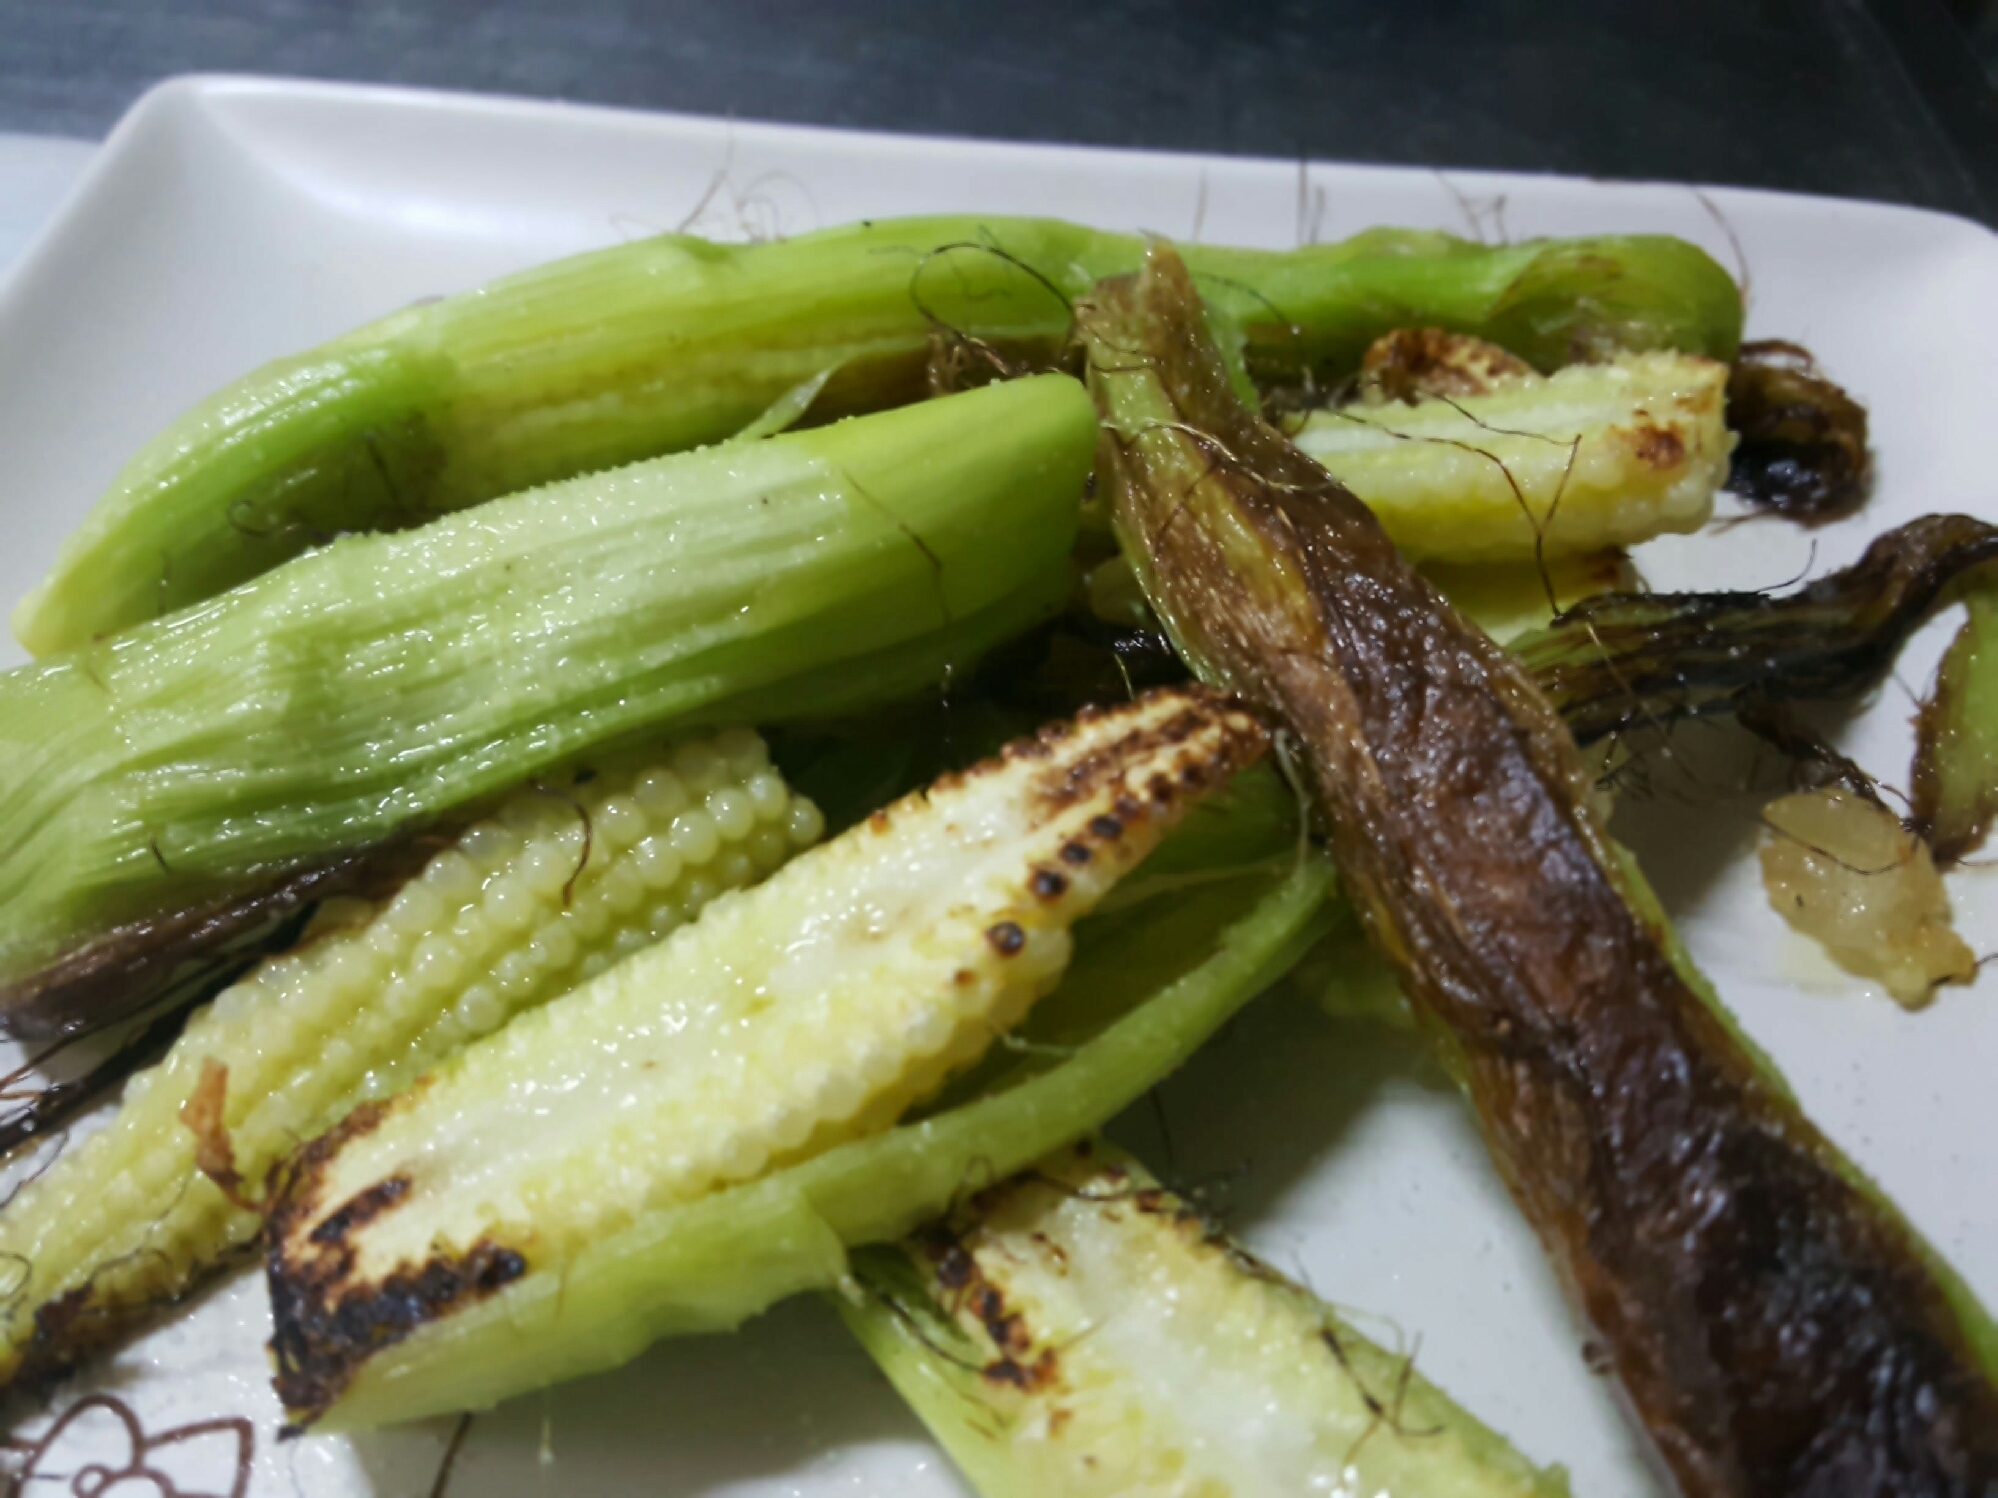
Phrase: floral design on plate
pixel 98 1447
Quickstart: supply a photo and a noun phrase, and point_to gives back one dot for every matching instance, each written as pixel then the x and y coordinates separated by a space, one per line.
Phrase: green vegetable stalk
pixel 160 789
pixel 669 343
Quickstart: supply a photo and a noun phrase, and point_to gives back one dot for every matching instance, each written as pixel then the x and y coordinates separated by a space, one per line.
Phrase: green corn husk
pixel 1956 750
pixel 668 343
pixel 385 682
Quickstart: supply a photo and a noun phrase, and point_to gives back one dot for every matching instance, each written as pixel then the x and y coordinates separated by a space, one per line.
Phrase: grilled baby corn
pixel 1597 456
pixel 1079 1332
pixel 810 1011
pixel 525 904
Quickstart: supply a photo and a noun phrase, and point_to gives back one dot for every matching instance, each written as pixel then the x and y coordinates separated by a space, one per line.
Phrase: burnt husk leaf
pixel 48 1107
pixel 134 967
pixel 1778 1327
pixel 1803 440
pixel 1620 661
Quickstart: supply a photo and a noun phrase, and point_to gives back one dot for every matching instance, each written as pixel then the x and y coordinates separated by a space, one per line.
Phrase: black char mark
pixel 325 1320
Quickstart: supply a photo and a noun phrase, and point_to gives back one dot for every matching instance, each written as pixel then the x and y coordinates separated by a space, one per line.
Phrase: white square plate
pixel 231 220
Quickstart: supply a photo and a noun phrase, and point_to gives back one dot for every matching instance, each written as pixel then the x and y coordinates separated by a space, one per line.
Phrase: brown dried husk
pixel 1777 1326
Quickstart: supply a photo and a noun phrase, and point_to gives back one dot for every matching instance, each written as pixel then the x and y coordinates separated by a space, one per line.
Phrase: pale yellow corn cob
pixel 506 918
pixel 808 1011
pixel 1596 456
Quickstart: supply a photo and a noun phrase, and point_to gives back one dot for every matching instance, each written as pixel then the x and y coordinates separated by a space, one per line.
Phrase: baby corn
pixel 1597 456
pixel 1079 1332
pixel 546 893
pixel 810 1011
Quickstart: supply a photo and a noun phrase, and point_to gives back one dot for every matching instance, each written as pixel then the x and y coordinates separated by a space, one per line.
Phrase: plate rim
pixel 163 100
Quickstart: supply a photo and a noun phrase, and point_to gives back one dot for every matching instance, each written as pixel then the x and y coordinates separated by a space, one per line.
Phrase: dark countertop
pixel 1869 98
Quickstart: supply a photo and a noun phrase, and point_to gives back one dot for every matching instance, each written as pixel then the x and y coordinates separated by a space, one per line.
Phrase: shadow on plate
pixel 790 1400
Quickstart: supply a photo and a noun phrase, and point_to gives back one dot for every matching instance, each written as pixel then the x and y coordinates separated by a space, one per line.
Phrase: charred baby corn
pixel 789 1019
pixel 1080 1332
pixel 1597 456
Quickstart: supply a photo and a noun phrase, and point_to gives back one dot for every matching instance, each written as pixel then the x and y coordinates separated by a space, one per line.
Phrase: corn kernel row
pixel 808 1011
